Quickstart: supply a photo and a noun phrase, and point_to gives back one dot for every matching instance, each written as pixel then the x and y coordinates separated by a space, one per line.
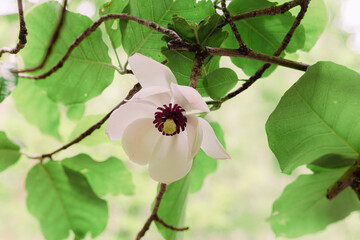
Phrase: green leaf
pixel 107 177
pixel 262 34
pixel 33 103
pixel 138 38
pixel 62 200
pixel 184 28
pixel 303 208
pixel 204 165
pixel 8 81
pixel 219 82
pixel 318 115
pixel 75 111
pixel 97 137
pixel 208 27
pixel 173 207
pixel 330 161
pixel 181 62
pixel 113 26
pixel 88 70
pixel 9 152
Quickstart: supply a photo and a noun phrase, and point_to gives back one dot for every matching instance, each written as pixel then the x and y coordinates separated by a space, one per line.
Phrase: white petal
pixel 189 98
pixel 150 73
pixel 195 135
pixel 210 144
pixel 139 140
pixel 169 161
pixel 125 115
pixel 155 95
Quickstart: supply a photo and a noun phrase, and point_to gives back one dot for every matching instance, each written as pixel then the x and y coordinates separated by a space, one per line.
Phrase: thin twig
pixel 154 216
pixel 281 48
pixel 273 10
pixel 172 34
pixel 52 42
pixel 157 219
pixel 234 29
pixel 153 213
pixel 22 33
pixel 97 125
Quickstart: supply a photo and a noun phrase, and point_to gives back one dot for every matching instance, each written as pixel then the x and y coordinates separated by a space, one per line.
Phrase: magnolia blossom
pixel 158 127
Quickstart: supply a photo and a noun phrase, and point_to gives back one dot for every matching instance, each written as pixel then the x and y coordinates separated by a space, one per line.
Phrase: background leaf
pixel 204 165
pixel 62 200
pixel 107 177
pixel 33 103
pixel 318 115
pixel 75 111
pixel 9 152
pixel 219 82
pixel 262 34
pixel 137 38
pixel 88 70
pixel 113 26
pixel 8 81
pixel 303 208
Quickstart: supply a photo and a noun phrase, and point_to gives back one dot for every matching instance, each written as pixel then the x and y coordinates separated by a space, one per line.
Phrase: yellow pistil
pixel 169 126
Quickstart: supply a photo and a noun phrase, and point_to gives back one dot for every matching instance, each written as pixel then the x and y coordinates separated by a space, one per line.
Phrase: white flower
pixel 155 125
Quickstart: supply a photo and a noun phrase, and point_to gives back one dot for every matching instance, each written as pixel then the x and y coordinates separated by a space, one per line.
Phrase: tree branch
pixel 172 34
pixel 52 42
pixel 349 178
pixel 196 69
pixel 22 33
pixel 234 29
pixel 273 10
pixel 211 51
pixel 97 125
pixel 262 69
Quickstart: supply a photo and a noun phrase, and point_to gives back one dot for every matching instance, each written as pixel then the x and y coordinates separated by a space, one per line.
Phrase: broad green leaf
pixel 8 81
pixel 62 201
pixel 181 62
pixel 204 165
pixel 137 38
pixel 107 177
pixel 303 208
pixel 97 137
pixel 113 26
pixel 318 115
pixel 262 34
pixel 88 70
pixel 9 152
pixel 75 111
pixel 173 207
pixel 33 103
pixel 219 82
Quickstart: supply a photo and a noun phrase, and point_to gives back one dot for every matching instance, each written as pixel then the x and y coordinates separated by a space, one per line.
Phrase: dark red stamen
pixel 170 112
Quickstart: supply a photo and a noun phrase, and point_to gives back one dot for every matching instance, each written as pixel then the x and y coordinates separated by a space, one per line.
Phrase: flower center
pixel 170 119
